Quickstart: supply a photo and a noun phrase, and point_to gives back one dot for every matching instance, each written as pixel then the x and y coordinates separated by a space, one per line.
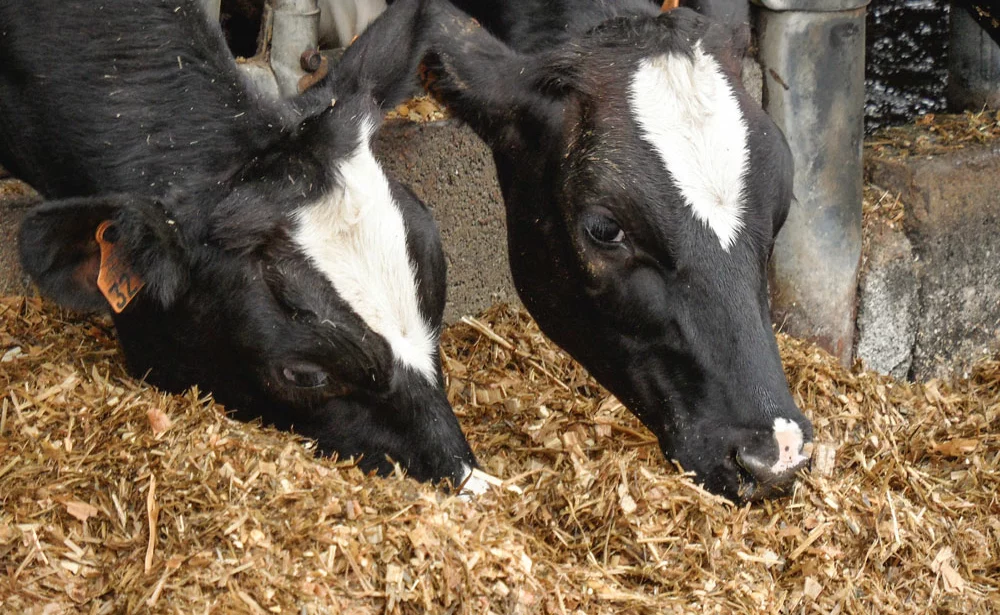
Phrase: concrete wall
pixel 15 198
pixel 930 290
pixel 452 171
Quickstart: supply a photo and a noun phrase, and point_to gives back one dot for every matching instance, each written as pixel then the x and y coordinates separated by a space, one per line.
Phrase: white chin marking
pixel 687 110
pixel 788 437
pixel 356 237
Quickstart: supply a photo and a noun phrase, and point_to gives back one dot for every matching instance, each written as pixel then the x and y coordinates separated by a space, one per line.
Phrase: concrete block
pixel 452 170
pixel 952 219
pixel 15 198
pixel 887 303
pixel 753 79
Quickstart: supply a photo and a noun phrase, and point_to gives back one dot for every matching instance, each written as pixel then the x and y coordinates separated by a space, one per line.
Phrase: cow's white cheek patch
pixel 688 112
pixel 788 437
pixel 356 237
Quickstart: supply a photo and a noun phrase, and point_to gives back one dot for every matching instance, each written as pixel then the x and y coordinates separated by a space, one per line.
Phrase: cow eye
pixel 603 229
pixel 305 376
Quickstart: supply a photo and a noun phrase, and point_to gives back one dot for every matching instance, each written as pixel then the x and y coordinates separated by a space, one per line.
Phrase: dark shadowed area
pixel 906 60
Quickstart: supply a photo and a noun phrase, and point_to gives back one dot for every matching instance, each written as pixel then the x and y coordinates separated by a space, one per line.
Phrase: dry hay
pixel 15 193
pixel 929 135
pixel 419 109
pixel 881 211
pixel 933 134
pixel 904 519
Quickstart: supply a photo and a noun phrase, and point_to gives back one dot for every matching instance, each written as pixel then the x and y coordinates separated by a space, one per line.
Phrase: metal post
pixel 973 63
pixel 812 55
pixel 296 29
pixel 212 8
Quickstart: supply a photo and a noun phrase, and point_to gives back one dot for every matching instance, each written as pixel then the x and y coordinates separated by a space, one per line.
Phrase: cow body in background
pixel 282 270
pixel 643 190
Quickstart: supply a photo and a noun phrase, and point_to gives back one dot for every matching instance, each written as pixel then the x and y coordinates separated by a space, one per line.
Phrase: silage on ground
pixel 117 497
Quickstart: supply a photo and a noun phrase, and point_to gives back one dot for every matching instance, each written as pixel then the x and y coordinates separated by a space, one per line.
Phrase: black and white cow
pixel 643 190
pixel 282 270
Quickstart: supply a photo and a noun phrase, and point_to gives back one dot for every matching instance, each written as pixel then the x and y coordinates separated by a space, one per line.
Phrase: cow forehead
pixel 687 111
pixel 356 237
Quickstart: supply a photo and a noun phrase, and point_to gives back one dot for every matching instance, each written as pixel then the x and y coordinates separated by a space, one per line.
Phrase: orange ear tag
pixel 669 5
pixel 115 278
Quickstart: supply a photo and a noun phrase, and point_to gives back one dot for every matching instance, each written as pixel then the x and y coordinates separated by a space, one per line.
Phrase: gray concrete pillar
pixel 973 63
pixel 812 55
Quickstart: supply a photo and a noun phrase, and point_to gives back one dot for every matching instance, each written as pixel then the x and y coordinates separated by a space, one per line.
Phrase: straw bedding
pixel 935 134
pixel 420 109
pixel 117 498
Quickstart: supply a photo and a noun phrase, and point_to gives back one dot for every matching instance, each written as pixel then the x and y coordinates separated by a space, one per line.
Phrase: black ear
pixel 383 60
pixel 785 181
pixel 732 12
pixel 381 63
pixel 729 44
pixel 60 251
pixel 501 94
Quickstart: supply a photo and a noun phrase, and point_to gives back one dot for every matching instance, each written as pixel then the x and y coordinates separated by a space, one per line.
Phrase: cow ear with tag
pixel 101 253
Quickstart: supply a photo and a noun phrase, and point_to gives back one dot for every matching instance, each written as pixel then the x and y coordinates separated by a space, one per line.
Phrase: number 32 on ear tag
pixel 115 278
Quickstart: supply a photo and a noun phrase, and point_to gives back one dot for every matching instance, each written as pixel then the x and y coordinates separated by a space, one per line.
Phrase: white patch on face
pixel 356 237
pixel 788 436
pixel 689 113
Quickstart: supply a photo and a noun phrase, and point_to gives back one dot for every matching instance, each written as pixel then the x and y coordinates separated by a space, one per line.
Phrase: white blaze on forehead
pixel 788 437
pixel 356 237
pixel 687 110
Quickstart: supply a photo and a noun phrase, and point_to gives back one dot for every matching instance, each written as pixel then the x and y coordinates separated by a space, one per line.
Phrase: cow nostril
pixel 765 470
pixel 766 480
pixel 774 462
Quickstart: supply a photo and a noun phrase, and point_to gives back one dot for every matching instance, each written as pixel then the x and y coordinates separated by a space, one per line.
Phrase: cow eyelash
pixel 310 379
pixel 305 379
pixel 603 230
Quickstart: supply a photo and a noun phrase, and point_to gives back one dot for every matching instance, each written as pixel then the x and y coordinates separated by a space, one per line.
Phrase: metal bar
pixel 813 66
pixel 295 29
pixel 212 8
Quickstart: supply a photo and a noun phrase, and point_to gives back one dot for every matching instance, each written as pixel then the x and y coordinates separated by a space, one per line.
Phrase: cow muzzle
pixel 772 463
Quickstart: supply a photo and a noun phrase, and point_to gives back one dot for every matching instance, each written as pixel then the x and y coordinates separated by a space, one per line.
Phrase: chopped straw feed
pixel 118 498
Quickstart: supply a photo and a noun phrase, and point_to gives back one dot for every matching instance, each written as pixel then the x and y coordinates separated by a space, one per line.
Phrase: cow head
pixel 644 190
pixel 304 287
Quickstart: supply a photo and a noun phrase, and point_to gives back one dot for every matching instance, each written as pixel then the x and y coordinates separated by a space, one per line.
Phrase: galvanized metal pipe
pixel 812 55
pixel 973 63
pixel 212 8
pixel 295 29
